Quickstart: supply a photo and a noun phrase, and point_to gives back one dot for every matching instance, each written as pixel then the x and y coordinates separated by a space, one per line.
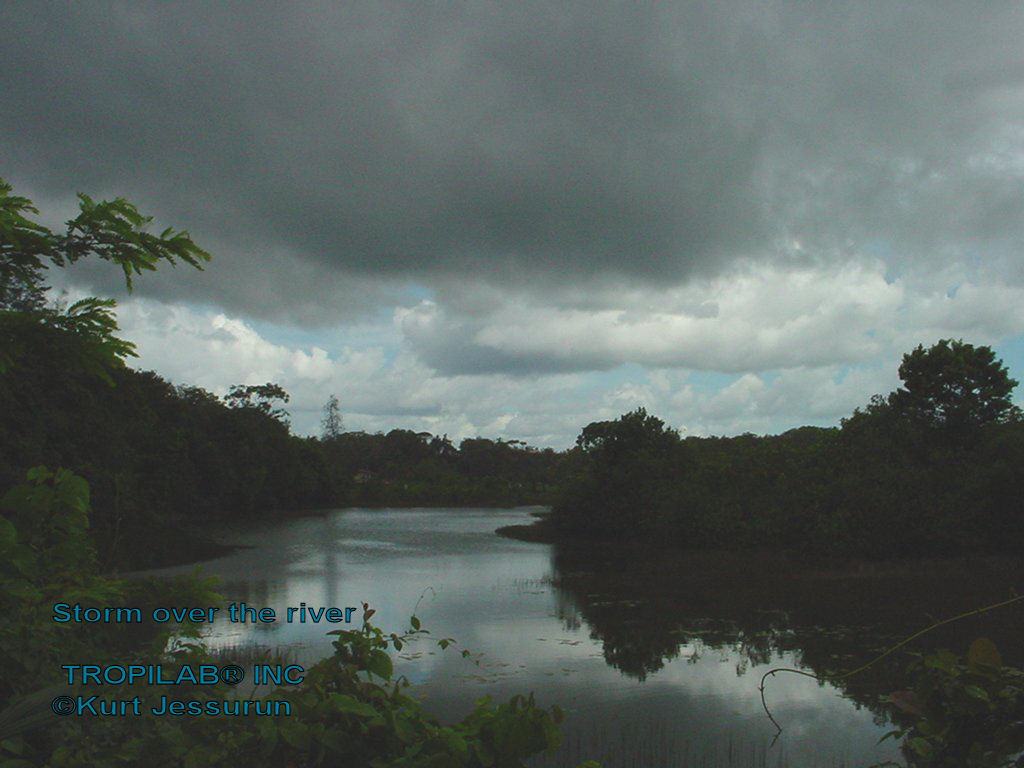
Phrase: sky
pixel 509 220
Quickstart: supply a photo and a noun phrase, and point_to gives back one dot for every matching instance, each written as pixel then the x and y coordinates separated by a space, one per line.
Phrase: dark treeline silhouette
pixel 898 478
pixel 159 456
pixel 935 467
pixel 420 469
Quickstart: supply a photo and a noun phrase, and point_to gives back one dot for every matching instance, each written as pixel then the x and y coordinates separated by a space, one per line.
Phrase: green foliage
pixel 350 710
pixel 955 385
pixel 613 441
pixel 114 231
pixel 25 246
pixel 259 398
pixel 156 456
pixel 47 557
pixel 88 342
pixel 111 230
pixel 629 480
pixel 928 469
pixel 962 712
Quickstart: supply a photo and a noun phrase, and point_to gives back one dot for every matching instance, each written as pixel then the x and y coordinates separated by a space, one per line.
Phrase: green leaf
pixel 294 734
pixel 457 744
pixel 379 664
pixel 38 474
pixel 415 622
pixel 351 706
pixel 983 652
pixel 943 660
pixel 977 692
pixel 894 734
pixel 8 534
pixel 921 747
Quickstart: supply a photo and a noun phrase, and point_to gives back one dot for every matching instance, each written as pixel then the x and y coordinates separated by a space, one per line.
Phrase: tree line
pixel 934 467
pixel 160 456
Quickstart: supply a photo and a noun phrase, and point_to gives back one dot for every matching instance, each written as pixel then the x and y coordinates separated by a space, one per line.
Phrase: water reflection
pixel 655 656
pixel 831 617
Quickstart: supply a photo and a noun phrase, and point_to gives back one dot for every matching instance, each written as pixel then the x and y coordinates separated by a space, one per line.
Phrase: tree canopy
pixel 259 397
pixel 956 385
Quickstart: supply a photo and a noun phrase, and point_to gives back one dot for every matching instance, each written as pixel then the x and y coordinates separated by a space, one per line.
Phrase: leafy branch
pixel 112 230
pixel 979 652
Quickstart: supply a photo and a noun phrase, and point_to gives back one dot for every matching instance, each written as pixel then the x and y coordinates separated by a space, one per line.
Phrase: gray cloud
pixel 527 143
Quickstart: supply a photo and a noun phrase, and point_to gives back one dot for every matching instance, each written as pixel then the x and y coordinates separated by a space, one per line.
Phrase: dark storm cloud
pixel 321 150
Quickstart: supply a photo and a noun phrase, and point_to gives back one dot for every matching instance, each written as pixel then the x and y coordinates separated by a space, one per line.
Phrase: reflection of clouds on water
pixel 498 599
pixel 372 544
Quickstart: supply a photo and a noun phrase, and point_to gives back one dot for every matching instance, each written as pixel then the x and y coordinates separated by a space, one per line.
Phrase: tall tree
pixel 331 421
pixel 955 385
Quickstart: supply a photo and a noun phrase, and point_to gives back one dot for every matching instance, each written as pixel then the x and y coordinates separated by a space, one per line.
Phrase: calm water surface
pixel 661 672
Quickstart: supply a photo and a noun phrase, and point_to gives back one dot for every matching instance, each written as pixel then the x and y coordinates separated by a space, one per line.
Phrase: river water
pixel 655 658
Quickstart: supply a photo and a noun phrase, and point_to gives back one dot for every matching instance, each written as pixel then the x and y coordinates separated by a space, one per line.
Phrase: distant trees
pixel 260 398
pixel 403 467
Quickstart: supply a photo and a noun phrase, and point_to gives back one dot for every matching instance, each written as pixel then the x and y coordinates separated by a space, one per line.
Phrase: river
pixel 656 659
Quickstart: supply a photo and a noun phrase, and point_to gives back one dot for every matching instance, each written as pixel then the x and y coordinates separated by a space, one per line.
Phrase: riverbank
pixel 540 531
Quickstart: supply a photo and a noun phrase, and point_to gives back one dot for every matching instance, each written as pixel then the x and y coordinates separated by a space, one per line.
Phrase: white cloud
pixel 797 345
pixel 756 318
pixel 380 387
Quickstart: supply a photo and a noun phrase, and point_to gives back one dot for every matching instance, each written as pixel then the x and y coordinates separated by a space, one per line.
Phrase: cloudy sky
pixel 512 219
